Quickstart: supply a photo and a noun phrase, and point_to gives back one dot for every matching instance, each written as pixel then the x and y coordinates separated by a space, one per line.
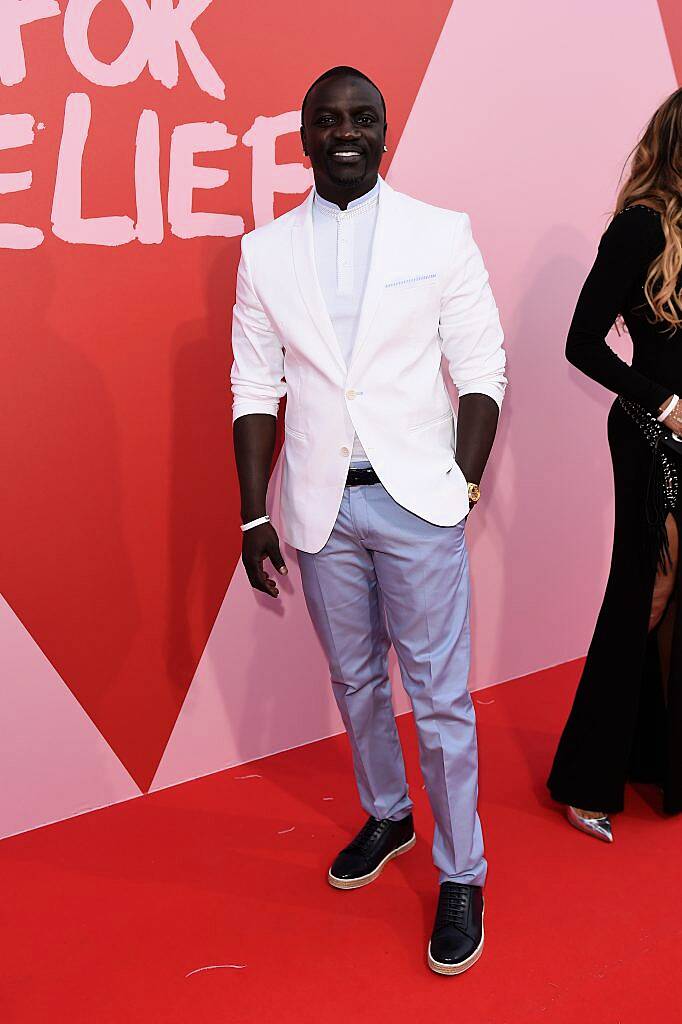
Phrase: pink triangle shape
pixel 249 699
pixel 54 763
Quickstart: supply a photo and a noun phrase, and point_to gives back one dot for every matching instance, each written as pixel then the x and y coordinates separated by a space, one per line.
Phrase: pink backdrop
pixel 524 115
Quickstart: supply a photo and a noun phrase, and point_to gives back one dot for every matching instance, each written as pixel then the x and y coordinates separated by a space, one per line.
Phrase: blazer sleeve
pixel 470 333
pixel 257 374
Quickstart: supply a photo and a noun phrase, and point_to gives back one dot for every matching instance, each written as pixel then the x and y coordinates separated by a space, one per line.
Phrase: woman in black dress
pixel 626 720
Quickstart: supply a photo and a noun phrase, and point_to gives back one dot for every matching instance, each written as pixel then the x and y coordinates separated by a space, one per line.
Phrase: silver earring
pixel 385 149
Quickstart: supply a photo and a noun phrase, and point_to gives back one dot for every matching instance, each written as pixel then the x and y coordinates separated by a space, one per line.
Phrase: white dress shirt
pixel 343 248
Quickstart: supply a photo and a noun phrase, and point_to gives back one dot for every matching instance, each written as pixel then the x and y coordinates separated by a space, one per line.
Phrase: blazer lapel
pixel 374 289
pixel 308 283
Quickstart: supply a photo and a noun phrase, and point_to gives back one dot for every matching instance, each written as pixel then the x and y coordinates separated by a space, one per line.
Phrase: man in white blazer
pixel 350 305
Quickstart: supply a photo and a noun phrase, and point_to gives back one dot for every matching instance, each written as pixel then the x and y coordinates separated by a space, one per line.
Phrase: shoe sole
pixel 357 883
pixel 439 968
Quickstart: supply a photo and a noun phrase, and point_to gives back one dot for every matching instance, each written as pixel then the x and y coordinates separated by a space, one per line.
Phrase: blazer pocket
pixel 294 433
pixel 433 421
pixel 402 283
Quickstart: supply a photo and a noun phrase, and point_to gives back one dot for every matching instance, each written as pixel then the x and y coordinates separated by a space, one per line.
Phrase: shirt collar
pixel 363 204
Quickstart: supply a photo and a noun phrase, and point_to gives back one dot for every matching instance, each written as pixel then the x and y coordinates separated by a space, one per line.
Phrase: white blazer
pixel 427 296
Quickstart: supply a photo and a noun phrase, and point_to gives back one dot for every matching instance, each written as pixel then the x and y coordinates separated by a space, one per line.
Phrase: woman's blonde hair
pixel 655 179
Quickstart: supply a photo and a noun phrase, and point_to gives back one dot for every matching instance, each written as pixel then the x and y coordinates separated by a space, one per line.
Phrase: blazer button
pixel 350 395
pixel 345 451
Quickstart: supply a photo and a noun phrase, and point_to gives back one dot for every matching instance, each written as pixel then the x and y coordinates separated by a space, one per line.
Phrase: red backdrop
pixel 119 512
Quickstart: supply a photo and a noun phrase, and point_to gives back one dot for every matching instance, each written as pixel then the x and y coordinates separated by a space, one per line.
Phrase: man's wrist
pixel 254 512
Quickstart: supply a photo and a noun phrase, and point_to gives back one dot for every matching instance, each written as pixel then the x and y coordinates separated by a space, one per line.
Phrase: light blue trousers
pixel 385 575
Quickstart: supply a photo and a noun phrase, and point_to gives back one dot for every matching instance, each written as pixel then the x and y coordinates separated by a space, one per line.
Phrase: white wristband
pixel 254 522
pixel 668 409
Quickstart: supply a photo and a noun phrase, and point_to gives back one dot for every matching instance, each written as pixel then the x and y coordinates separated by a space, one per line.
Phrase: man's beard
pixel 348 182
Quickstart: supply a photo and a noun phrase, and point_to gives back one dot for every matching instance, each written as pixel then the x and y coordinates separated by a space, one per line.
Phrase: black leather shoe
pixel 377 842
pixel 457 939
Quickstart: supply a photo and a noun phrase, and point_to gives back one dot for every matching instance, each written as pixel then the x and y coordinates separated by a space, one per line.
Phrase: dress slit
pixel 621 726
pixel 666 616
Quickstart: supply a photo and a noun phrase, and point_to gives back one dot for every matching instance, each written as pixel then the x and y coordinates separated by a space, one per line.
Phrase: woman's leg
pixel 663 604
pixel 592 760
pixel 661 614
pixel 665 581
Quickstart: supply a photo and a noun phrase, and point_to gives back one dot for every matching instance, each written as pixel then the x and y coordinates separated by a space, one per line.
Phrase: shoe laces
pixel 453 905
pixel 372 830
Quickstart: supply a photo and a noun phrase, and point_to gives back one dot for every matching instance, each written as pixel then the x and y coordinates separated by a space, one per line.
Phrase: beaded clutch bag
pixel 663 485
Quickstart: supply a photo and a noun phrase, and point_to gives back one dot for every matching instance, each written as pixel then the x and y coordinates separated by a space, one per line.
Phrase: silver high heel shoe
pixel 600 828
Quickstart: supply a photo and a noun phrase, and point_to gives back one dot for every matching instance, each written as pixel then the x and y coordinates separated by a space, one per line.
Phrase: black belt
pixel 361 475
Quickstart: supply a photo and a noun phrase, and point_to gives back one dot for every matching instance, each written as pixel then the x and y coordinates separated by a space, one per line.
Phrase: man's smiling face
pixel 343 133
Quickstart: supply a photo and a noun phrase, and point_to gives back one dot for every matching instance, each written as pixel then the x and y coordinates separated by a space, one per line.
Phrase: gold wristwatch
pixel 474 492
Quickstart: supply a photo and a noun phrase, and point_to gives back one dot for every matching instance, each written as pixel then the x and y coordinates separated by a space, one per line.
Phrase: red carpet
pixel 104 916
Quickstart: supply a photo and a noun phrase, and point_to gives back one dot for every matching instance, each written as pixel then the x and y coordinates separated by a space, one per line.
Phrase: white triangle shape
pixel 524 119
pixel 54 762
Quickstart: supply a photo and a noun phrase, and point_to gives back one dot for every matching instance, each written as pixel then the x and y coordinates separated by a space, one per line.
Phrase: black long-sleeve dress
pixel 626 721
